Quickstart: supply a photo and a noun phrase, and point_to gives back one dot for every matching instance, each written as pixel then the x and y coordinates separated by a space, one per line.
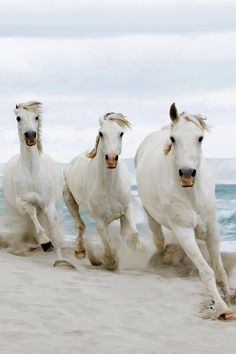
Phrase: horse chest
pixel 34 190
pixel 109 206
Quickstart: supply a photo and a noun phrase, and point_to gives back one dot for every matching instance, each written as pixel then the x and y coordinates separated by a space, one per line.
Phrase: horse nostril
pixel 187 172
pixel 106 157
pixel 30 135
pixel 116 158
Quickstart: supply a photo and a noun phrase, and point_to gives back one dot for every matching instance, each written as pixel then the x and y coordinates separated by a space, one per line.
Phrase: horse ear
pixel 174 116
pixel 17 106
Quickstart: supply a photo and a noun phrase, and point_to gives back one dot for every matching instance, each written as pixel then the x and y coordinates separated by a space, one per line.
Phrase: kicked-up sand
pixel 137 309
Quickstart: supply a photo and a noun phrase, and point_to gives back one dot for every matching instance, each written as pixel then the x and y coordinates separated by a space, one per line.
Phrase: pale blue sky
pixel 84 58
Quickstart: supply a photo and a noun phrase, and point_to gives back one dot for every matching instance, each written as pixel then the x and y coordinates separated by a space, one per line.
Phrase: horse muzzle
pixel 111 160
pixel 30 138
pixel 187 177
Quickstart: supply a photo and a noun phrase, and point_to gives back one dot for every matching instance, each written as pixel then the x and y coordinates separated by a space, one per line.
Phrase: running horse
pixel 178 192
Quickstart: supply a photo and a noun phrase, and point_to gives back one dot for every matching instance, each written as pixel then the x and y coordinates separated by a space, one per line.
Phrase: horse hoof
pixel 111 261
pixel 95 263
pixel 80 254
pixel 63 263
pixel 47 247
pixel 227 316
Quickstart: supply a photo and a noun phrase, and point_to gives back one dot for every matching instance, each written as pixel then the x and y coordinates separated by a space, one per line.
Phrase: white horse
pixel 99 183
pixel 32 186
pixel 178 192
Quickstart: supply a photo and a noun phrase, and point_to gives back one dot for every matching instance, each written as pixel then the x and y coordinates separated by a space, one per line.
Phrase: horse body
pixel 102 191
pixel 178 192
pixel 89 183
pixel 32 185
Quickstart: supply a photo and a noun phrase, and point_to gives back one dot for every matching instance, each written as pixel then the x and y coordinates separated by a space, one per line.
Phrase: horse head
pixel 186 136
pixel 28 116
pixel 112 127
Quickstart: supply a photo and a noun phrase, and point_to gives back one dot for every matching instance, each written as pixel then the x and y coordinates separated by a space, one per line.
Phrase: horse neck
pixel 30 157
pixel 109 179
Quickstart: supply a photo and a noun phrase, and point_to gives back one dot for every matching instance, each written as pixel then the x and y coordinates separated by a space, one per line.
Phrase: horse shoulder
pixel 13 178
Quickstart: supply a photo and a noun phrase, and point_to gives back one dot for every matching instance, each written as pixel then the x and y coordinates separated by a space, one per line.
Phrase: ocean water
pixel 226 209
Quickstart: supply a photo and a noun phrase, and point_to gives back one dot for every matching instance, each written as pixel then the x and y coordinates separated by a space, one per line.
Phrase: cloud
pixel 104 18
pixel 128 66
pixel 82 59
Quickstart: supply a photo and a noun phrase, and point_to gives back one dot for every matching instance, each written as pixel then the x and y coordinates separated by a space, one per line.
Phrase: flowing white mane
pixel 119 118
pixel 197 119
pixel 35 107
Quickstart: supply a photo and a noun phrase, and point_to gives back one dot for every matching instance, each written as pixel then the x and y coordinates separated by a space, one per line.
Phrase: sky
pixel 82 59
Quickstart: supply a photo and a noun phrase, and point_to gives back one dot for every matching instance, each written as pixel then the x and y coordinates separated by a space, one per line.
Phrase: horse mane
pixel 92 153
pixel 197 119
pixel 35 107
pixel 119 118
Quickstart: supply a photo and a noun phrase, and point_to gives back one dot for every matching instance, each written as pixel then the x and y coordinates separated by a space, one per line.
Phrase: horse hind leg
pixel 158 237
pixel 73 207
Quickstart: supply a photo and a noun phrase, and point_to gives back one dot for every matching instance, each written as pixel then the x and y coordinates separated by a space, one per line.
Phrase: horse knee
pixel 207 274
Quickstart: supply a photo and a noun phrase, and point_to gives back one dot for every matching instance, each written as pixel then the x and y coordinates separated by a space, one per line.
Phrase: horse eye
pixel 18 119
pixel 200 139
pixel 101 135
pixel 37 118
pixel 121 134
pixel 172 139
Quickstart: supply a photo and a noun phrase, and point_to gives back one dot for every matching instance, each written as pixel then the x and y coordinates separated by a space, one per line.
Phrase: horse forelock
pixel 119 118
pixel 34 107
pixel 197 119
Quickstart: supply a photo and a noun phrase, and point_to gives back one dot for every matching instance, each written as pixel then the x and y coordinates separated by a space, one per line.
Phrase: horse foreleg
pixel 129 229
pixel 212 242
pixel 158 237
pixel 41 237
pixel 79 224
pixel 55 234
pixel 186 238
pixel 110 258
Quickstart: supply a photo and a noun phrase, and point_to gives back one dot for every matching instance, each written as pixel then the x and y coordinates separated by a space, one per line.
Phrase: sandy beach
pixel 136 309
